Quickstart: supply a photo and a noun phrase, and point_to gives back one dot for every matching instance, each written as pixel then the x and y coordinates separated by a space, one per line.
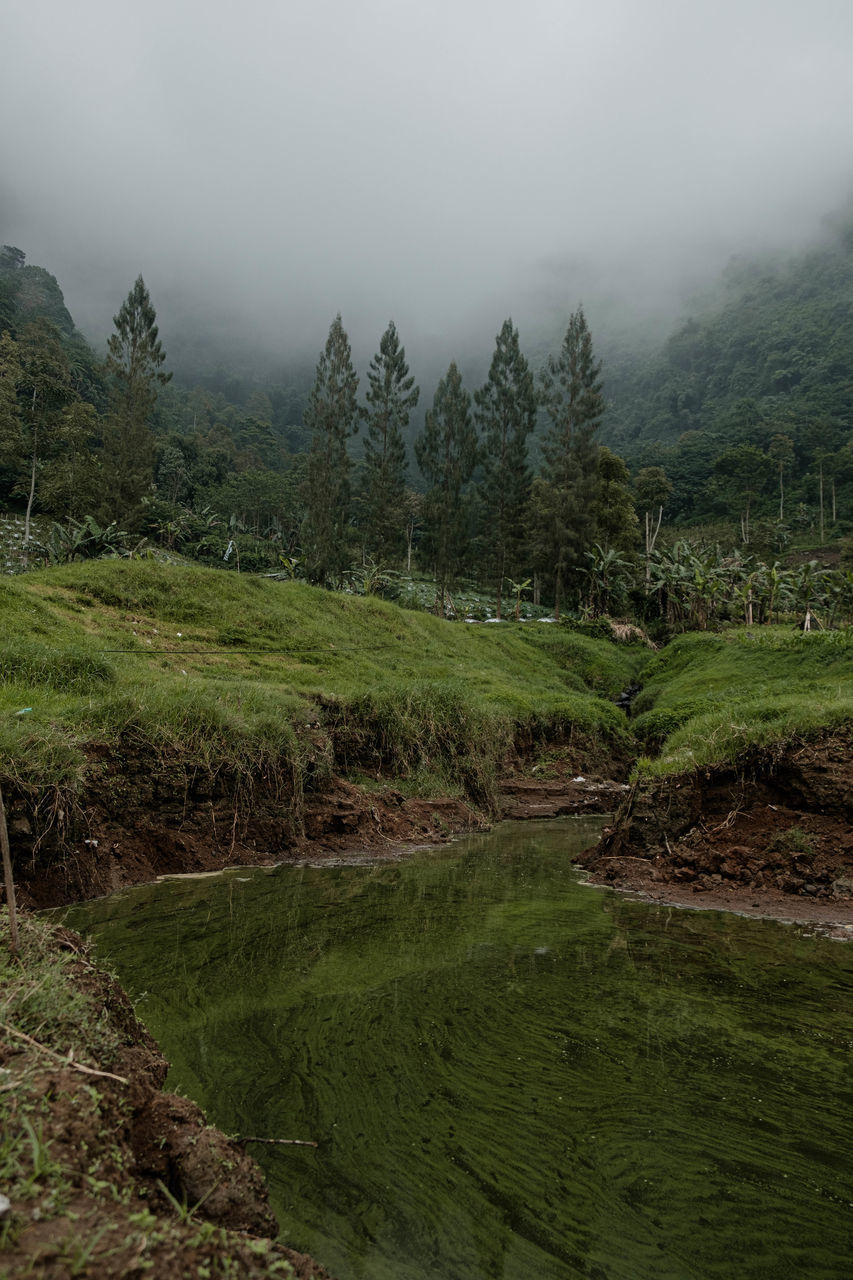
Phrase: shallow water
pixel 510 1074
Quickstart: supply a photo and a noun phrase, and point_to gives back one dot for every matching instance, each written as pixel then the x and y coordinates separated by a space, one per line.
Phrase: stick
pixel 281 1142
pixel 65 1059
pixel 8 880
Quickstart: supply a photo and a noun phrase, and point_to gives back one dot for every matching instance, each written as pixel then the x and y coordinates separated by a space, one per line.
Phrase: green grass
pixel 708 698
pixel 256 677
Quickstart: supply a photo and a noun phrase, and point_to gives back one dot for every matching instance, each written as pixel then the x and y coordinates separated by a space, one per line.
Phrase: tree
pixel 615 517
pixel 72 481
pixel 391 397
pixel 823 437
pixel 332 416
pixel 134 366
pixel 742 471
pixel 446 452
pixel 781 450
pixel 45 387
pixel 11 377
pixel 572 396
pixel 506 415
pixel 652 489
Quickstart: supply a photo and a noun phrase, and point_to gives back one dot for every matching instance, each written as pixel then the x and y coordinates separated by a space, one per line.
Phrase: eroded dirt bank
pixel 141 818
pixel 106 1174
pixel 772 837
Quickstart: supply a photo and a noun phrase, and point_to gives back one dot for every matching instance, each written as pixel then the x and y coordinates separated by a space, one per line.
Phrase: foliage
pixel 506 415
pixel 572 396
pixel 391 398
pixel 447 454
pixel 332 416
pixel 134 366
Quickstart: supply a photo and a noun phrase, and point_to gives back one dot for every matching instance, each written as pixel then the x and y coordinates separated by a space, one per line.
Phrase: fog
pixel 268 164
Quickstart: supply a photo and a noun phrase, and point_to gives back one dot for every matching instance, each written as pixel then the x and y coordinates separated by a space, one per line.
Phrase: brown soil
pixel 143 818
pixel 135 1174
pixel 772 837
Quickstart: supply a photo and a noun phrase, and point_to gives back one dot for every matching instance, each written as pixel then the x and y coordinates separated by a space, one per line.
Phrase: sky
pixel 269 163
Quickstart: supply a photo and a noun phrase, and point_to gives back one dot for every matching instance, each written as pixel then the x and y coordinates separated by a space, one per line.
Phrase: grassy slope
pixel 706 698
pixel 244 673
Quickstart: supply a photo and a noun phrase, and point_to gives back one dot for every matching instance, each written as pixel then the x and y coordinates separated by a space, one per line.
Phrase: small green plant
pixel 184 1211
pixel 794 840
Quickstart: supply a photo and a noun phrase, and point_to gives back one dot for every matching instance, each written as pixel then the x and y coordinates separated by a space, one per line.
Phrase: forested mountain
pixel 768 363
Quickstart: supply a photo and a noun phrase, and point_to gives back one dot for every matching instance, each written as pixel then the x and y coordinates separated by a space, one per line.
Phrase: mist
pixel 266 165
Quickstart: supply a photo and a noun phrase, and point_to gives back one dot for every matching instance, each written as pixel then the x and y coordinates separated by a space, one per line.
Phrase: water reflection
pixel 510 1074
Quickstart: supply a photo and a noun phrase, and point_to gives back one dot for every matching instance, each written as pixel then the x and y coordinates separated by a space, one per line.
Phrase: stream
pixel 511 1075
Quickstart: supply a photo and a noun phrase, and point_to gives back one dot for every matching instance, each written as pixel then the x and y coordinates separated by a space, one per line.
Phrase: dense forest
pixel 672 484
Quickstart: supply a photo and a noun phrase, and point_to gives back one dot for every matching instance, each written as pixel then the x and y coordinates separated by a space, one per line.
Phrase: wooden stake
pixel 8 880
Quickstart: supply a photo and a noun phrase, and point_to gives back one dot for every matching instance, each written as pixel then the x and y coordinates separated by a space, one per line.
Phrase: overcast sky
pixel 444 162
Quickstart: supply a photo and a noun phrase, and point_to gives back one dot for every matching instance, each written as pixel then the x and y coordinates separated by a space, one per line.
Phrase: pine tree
pixel 505 414
pixel 332 416
pixel 446 452
pixel 572 396
pixel 134 365
pixel 391 397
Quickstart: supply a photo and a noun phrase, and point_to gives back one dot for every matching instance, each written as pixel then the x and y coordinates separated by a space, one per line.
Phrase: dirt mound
pixel 774 832
pixel 126 1180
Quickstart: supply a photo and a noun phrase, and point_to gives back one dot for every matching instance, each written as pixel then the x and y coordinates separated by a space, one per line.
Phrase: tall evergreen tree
pixel 506 415
pixel 446 452
pixel 391 397
pixel 134 365
pixel 332 416
pixel 572 396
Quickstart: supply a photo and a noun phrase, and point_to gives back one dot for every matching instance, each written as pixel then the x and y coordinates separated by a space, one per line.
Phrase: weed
pixel 794 840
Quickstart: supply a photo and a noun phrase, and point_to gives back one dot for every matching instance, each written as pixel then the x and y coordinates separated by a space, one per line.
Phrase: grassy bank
pixel 238 675
pixel 708 698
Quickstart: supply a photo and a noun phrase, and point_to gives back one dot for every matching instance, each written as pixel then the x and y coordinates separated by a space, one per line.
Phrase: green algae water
pixel 510 1075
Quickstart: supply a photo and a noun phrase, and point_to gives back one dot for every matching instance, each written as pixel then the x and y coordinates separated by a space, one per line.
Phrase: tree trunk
pixel 8 880
pixel 30 498
pixel 500 585
pixel 821 501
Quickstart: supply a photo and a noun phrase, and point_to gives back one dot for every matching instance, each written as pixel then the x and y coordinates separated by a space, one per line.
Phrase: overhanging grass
pixel 236 672
pixel 707 699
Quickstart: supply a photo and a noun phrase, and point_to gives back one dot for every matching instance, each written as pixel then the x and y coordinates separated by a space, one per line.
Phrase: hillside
pixel 770 355
pixel 154 717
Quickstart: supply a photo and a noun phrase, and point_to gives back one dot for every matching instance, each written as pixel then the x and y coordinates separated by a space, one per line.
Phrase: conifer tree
pixel 446 452
pixel 134 365
pixel 332 416
pixel 505 414
pixel 391 397
pixel 572 396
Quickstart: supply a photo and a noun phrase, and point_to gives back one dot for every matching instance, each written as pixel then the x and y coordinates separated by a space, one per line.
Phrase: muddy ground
pixel 159 823
pixel 772 837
